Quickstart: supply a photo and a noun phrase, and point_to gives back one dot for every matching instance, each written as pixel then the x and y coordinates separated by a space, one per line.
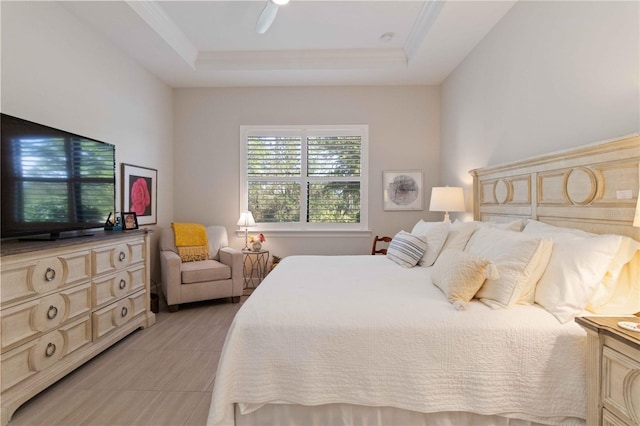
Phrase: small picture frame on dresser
pixel 129 221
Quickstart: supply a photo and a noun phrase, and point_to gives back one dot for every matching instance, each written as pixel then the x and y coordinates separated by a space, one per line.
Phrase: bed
pixel 333 340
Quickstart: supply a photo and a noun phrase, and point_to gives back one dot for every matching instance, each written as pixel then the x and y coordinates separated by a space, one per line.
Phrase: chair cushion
pixel 204 270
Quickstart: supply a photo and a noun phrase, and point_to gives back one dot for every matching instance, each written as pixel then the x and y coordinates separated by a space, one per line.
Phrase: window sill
pixel 304 233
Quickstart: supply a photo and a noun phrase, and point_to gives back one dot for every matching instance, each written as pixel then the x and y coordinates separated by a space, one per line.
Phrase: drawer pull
pixel 123 284
pixel 124 312
pixel 51 350
pixel 52 312
pixel 122 256
pixel 50 274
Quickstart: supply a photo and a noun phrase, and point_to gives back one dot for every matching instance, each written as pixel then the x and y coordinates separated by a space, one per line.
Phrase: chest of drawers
pixel 613 372
pixel 62 303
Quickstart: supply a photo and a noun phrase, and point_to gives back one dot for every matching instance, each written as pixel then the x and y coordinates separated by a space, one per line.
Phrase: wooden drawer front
pixel 113 287
pixel 36 277
pixel 27 320
pixel 608 419
pixel 114 258
pixel 621 384
pixel 112 316
pixel 40 354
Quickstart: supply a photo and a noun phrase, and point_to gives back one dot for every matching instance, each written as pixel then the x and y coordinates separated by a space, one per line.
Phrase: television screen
pixel 53 181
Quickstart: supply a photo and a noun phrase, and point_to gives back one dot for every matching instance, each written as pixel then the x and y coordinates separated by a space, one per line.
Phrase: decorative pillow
pixel 521 260
pixel 459 234
pixel 460 275
pixel 575 270
pixel 406 249
pixel 435 233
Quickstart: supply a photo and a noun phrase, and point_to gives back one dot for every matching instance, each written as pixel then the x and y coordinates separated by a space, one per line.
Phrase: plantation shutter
pixel 332 197
pixel 304 177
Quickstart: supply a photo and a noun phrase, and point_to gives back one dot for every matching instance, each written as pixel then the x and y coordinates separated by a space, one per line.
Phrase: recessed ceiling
pixel 310 43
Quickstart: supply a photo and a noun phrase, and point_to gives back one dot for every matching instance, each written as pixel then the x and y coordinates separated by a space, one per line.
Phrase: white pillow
pixel 406 249
pixel 459 234
pixel 435 233
pixel 541 228
pixel 576 267
pixel 617 293
pixel 460 275
pixel 520 259
pixel 515 225
pixel 625 297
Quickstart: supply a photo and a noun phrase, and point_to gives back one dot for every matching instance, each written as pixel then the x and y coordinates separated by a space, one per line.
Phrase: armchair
pixel 217 277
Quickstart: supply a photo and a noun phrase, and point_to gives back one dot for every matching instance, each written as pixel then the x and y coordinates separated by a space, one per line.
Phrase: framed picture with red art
pixel 139 192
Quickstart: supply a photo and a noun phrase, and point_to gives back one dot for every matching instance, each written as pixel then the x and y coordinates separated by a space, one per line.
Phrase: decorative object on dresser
pixel 613 371
pixel 446 199
pixel 246 221
pixel 139 192
pixel 218 275
pixel 62 303
pixel 129 221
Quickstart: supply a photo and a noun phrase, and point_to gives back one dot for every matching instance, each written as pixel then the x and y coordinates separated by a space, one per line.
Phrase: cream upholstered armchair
pixel 217 277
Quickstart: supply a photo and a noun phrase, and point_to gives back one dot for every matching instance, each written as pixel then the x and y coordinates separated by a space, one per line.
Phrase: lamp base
pixel 446 217
pixel 246 239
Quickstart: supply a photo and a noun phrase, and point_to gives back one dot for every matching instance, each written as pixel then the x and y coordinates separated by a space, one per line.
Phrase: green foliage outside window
pixel 329 191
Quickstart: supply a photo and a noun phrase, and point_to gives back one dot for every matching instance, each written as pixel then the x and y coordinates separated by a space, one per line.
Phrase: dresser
pixel 63 302
pixel 613 372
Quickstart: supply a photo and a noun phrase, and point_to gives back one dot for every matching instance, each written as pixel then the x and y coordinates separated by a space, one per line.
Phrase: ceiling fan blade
pixel 267 17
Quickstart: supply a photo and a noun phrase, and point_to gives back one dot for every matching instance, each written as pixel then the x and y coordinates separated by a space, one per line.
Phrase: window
pixel 305 178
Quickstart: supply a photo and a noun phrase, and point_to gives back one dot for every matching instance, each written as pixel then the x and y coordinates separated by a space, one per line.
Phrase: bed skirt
pixel 348 415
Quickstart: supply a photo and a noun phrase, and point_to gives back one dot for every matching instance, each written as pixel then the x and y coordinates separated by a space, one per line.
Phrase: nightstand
pixel 613 371
pixel 254 267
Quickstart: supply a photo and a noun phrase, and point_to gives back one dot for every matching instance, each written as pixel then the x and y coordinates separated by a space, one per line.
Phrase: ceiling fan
pixel 268 15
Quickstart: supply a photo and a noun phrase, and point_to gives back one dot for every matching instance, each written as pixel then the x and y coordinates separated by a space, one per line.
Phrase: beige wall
pixel 549 76
pixel 57 72
pixel 403 134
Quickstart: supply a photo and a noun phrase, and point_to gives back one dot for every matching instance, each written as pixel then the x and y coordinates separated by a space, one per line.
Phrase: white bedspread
pixel 362 330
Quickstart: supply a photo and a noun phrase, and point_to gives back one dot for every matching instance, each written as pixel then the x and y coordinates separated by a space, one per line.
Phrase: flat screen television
pixel 53 181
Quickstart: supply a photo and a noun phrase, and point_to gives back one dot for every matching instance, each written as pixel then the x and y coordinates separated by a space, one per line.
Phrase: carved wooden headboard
pixel 593 187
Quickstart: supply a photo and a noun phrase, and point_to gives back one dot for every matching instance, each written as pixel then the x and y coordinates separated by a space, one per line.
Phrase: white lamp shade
pixel 446 199
pixel 246 220
pixel 636 219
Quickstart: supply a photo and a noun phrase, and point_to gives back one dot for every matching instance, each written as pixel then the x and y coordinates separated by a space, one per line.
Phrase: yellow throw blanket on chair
pixel 191 241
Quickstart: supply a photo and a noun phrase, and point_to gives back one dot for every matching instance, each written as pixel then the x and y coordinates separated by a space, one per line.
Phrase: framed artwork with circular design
pixel 403 190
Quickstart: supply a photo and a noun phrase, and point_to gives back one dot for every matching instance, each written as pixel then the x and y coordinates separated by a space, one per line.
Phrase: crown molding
pixel 302 59
pixel 423 24
pixel 157 19
pixel 164 26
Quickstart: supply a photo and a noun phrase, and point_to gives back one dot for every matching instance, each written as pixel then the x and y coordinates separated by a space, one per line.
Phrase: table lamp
pixel 446 199
pixel 246 220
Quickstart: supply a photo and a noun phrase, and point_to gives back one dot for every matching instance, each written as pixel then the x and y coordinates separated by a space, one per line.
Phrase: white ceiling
pixel 328 42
